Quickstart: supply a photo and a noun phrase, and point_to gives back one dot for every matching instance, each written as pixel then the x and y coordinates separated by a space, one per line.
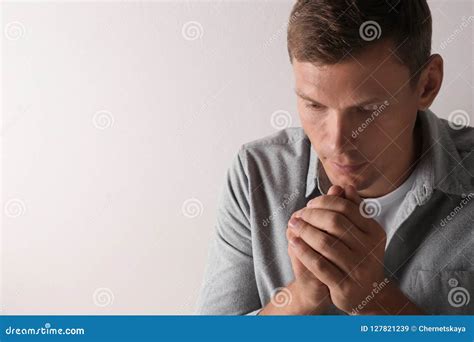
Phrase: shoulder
pixel 463 141
pixel 281 146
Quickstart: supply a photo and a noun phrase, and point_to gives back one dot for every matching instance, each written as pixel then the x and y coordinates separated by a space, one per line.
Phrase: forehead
pixel 374 71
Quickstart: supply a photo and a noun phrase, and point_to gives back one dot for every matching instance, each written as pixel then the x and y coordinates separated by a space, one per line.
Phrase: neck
pixel 407 164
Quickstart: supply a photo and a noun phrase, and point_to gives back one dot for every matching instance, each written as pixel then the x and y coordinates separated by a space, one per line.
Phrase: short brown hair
pixel 329 31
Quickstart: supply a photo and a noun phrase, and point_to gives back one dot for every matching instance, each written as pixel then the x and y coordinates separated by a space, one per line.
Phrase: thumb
pixel 352 195
pixel 336 190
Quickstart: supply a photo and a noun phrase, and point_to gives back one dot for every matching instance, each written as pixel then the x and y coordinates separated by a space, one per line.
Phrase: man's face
pixel 359 115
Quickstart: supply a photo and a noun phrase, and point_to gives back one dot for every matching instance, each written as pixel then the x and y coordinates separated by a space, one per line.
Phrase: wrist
pixel 391 301
pixel 300 302
pixel 308 300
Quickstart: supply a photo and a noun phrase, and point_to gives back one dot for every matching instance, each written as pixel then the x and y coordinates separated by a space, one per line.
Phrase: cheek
pixel 396 119
pixel 373 134
pixel 383 132
pixel 370 140
pixel 312 122
pixel 315 129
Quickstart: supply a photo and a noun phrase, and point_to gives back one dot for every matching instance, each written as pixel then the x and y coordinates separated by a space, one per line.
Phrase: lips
pixel 348 168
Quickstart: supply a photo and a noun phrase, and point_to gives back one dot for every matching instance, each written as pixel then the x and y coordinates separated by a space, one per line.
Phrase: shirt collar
pixel 439 167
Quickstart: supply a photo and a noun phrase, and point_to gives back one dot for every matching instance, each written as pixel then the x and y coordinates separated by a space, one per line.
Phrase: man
pixel 368 208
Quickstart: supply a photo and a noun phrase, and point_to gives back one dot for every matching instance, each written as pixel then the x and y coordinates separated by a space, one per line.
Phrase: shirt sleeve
pixel 229 286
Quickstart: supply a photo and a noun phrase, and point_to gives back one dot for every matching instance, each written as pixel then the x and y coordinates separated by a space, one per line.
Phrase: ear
pixel 430 82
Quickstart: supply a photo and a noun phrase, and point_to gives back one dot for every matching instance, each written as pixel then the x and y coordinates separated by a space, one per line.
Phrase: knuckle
pixel 339 221
pixel 295 213
pixel 333 218
pixel 305 214
pixel 317 263
pixel 302 251
pixel 325 243
pixel 311 213
pixel 315 201
pixel 345 288
pixel 345 207
pixel 302 229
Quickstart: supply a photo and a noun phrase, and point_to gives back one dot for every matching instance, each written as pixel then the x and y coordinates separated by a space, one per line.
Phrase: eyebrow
pixel 363 103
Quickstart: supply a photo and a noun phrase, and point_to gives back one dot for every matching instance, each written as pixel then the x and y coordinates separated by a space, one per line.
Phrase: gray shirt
pixel 430 257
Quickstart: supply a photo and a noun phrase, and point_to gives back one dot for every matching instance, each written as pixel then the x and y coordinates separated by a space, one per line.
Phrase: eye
pixel 314 106
pixel 374 106
pixel 368 109
pixel 365 110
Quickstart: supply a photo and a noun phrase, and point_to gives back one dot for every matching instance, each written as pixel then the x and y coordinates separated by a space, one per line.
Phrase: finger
pixel 322 268
pixel 334 224
pixel 298 268
pixel 335 190
pixel 300 271
pixel 327 245
pixel 351 194
pixel 340 205
pixel 296 213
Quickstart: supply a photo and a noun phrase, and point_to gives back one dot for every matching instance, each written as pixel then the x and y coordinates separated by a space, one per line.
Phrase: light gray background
pixel 118 127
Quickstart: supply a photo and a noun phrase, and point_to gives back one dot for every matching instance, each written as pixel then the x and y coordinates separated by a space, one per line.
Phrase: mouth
pixel 348 168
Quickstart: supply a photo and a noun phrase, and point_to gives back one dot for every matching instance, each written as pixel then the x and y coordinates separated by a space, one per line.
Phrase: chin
pixel 358 181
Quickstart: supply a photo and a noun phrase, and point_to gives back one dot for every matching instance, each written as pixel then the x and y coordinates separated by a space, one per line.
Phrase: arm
pixel 392 301
pixel 229 286
pixel 300 303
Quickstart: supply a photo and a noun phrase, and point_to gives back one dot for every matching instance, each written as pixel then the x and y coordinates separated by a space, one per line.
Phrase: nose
pixel 340 128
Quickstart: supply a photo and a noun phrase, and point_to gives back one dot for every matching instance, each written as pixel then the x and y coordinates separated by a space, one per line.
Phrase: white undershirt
pixel 389 205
